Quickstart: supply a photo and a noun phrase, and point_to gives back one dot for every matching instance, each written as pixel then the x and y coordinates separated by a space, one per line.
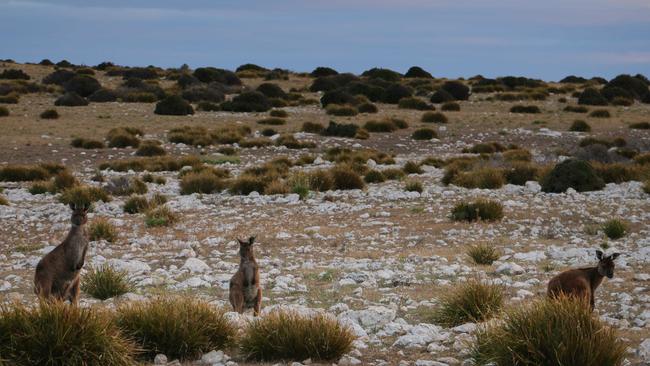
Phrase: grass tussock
pixel 49 114
pixel 102 229
pixel 4 201
pixel 614 229
pixel 181 328
pixel 424 134
pixel 150 148
pixel 341 110
pixel 290 336
pixel 23 173
pixel 57 334
pixel 160 216
pixel 152 164
pixel 472 301
pixel 558 332
pixel 600 113
pixel 483 253
pixel 434 117
pixel 202 182
pixel 482 209
pixel 105 282
pixel 84 143
pixel 413 185
pixel 579 126
pixel 83 196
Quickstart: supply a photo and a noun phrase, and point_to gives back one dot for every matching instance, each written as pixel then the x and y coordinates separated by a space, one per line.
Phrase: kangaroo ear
pixel 615 255
pixel 251 240
pixel 599 254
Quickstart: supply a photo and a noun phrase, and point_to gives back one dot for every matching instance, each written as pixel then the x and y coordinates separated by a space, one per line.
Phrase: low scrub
pixel 482 209
pixel 344 177
pixel 71 99
pixel 571 173
pixel 136 204
pixel 341 110
pixel 84 143
pixel 160 216
pixel 434 117
pixel 600 113
pixel 252 101
pixel 203 182
pixel 367 108
pixel 123 137
pixel 173 105
pixel 640 126
pixel 105 282
pixel 150 148
pixel 483 253
pixel 57 334
pixel 482 177
pixel 413 185
pixel 580 126
pixel 525 109
pixel 272 121
pixel 102 229
pixel 282 335
pixel 441 96
pixel 470 302
pixel 49 114
pixel 614 229
pixel 312 127
pixel 576 109
pixel 4 111
pixel 23 173
pixel 450 107
pixel 153 164
pixel 385 125
pixel 181 328
pixel 560 332
pixel 414 103
pixel 519 173
pixel 374 176
pixel 412 167
pixel 83 196
pixel 424 134
pixel 591 96
pixel 340 129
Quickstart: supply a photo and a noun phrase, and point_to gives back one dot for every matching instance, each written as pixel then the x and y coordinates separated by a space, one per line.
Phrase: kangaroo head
pixel 79 214
pixel 606 263
pixel 246 247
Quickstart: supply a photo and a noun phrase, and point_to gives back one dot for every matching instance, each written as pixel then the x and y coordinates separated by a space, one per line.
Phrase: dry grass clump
pixel 620 172
pixel 56 334
pixel 646 187
pixel 434 117
pixel 525 109
pixel 483 253
pixel 485 148
pixel 136 204
pixel 280 113
pixel 312 127
pixel 518 173
pixel 483 177
pixel 413 185
pixel 558 332
pixel 194 136
pixel 124 186
pixel 424 134
pixel 202 182
pixel 374 176
pixel 320 180
pixel 450 107
pixel 472 301
pixel 380 126
pixel 152 164
pixel 415 103
pixel 105 282
pixel 600 113
pixel 124 137
pixel 83 196
pixel 100 229
pixel 23 173
pixel 614 228
pixel 150 148
pixel 160 216
pixel 641 159
pixel 289 141
pixel 4 201
pixel 284 335
pixel 341 110
pixel 360 156
pixel 180 327
pixel 248 183
pixel 4 111
pixel 345 177
pixel 412 167
pixel 482 209
pixel 84 143
pixel 515 155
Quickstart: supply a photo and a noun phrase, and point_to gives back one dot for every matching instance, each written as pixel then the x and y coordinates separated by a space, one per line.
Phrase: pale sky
pixel 450 38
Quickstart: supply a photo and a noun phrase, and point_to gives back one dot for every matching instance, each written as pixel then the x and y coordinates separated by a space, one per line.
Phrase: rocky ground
pixel 378 259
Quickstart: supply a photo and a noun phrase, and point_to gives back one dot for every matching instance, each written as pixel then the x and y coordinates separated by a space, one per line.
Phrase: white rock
pixel 348 361
pixel 196 265
pixel 213 357
pixel 371 319
pixel 509 268
pixel 160 359
pixel 644 350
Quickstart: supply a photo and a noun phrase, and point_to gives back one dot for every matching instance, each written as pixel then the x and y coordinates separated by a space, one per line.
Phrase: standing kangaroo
pixel 245 290
pixel 57 274
pixel 583 282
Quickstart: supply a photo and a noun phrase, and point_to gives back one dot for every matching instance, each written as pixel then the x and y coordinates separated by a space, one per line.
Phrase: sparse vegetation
pixel 160 216
pixel 525 109
pixel 600 113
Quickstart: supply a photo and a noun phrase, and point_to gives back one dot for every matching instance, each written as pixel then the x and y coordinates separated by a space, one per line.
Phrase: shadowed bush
pixel 312 127
pixel 57 334
pixel 341 110
pixel 600 113
pixel 103 95
pixel 58 77
pixel 483 254
pixel 424 134
pixel 434 117
pixel 456 89
pixel 180 328
pixel 271 90
pixel 640 126
pixel 485 210
pixel 557 332
pixel 323 71
pixel 71 99
pixel 571 173
pixel 591 96
pixel 394 93
pixel 83 85
pixel 23 173
pixel 291 336
pixel 202 182
pixel 102 229
pixel 340 129
pixel 248 102
pixel 580 126
pixel 4 112
pixel 173 105
pixel 14 74
pixel 414 103
pixel 521 172
pixel 576 109
pixel 49 114
pixel 417 72
pixel 367 108
pixel 385 125
pixel 441 96
pixel 469 302
pixel 344 177
pixel 212 74
pixel 525 109
pixel 105 282
pixel 450 106
pixel 83 143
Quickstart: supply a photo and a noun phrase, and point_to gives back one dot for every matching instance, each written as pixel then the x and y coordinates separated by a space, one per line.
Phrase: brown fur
pixel 245 290
pixel 583 282
pixel 57 273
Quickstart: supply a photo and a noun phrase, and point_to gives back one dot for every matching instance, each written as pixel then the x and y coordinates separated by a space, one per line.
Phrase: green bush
pixel 434 117
pixel 291 336
pixel 614 229
pixel 483 253
pixel 469 302
pixel 271 90
pixel 521 172
pixel 100 229
pixel 557 332
pixel 424 134
pixel 57 334
pixel 105 282
pixel 83 85
pixel 160 216
pixel 173 105
pixel 571 173
pixel 252 101
pixel 103 95
pixel 393 93
pixel 485 210
pixel 456 89
pixel 600 113
pixel 49 114
pixel 525 109
pixel 580 126
pixel 181 328
pixel 450 106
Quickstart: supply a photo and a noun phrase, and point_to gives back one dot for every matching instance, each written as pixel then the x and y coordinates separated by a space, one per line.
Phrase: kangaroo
pixel 583 282
pixel 245 290
pixel 57 273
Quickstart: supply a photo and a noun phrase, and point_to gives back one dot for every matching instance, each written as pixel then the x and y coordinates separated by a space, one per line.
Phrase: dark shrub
pixel 580 126
pixel 414 103
pixel 14 74
pixel 450 106
pixel 12 98
pixel 58 77
pixel 46 62
pixel 271 90
pixel 591 96
pixel 208 107
pixel 457 90
pixel 640 126
pixel 83 85
pixel 441 96
pixel 434 117
pixel 345 177
pixel 341 110
pixel 185 80
pixel 248 102
pixel 367 89
pixel 386 74
pixel 485 210
pixel 211 74
pixel 323 71
pixel 202 182
pixel 339 96
pixel 173 105
pixel 636 87
pixel 4 112
pixel 269 132
pixel 272 121
pixel 380 126
pixel 123 137
pixel 312 127
pixel 203 93
pixel 417 72
pixel 144 73
pixel 83 143
pixel 23 173
pixel 520 173
pixel 424 134
pixel 327 83
pixel 103 95
pixel 620 101
pixel 572 173
pixel 395 92
pixel 486 148
pixel 576 109
pixel 49 114
pixel 71 99
pixel 374 176
pixel 611 92
pixel 251 67
pixel 340 129
pixel 367 108
pixel 279 113
pixel 150 148
pixel 573 79
pixel 525 109
pixel 600 113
